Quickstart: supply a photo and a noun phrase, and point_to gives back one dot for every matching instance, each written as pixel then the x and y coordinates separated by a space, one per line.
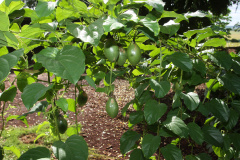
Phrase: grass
pixel 13 145
pixel 234 35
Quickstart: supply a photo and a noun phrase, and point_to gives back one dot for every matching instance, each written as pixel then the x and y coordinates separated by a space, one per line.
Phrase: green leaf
pixel 24 79
pixel 31 32
pixel 11 7
pixel 91 34
pixel 153 111
pixel 223 59
pixel 233 119
pixel 44 8
pixel 215 42
pixel 4 21
pixel 32 93
pixel 212 136
pixel 151 24
pixel 72 130
pixel 128 140
pixel 203 156
pixel 75 148
pixel 236 105
pixel 129 15
pixel 42 153
pixel 236 66
pixel 171 152
pixel 14 149
pixel 150 144
pixel 190 157
pixel 235 140
pixel 161 89
pixel 39 107
pixel 71 105
pixel 9 94
pixel 167 14
pixel 177 126
pixel 191 100
pixel 231 82
pixel 170 28
pixel 195 133
pixel 111 23
pixel 157 4
pixel 68 63
pixel 125 108
pixel 148 33
pixel 139 90
pixel 136 117
pixel 8 61
pixel 219 109
pixel 90 81
pixel 199 66
pixel 181 60
pixel 63 104
pixel 137 154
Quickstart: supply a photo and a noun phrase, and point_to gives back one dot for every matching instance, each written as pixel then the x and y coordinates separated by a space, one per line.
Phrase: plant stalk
pixel 76 113
pixel 3 122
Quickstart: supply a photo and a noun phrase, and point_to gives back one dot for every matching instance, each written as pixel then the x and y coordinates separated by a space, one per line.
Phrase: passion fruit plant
pixel 111 39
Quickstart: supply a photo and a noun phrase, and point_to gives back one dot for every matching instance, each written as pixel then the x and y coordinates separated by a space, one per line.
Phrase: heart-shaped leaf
pixel 177 126
pixel 32 93
pixel 8 61
pixel 153 111
pixel 180 60
pixel 171 152
pixel 9 94
pixel 68 63
pixel 161 89
pixel 195 132
pixel 75 148
pixel 36 154
pixel 191 100
pixel 150 144
pixel 212 136
pixel 128 140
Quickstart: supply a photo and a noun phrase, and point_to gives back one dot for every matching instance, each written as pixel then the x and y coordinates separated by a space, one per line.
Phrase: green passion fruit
pixel 112 107
pixel 111 50
pixel 82 98
pixel 134 54
pixel 122 56
pixel 62 124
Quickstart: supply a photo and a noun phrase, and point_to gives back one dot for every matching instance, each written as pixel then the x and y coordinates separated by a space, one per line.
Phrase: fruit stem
pixel 76 113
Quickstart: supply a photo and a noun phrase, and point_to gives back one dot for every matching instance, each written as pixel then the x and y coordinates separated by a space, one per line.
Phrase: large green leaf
pixel 180 60
pixel 151 24
pixel 75 148
pixel 8 61
pixel 136 117
pixel 191 100
pixel 4 21
pixel 30 32
pixel 150 144
pixel 8 39
pixel 32 93
pixel 9 7
pixel 231 82
pixel 235 140
pixel 157 4
pixel 212 136
pixel 153 111
pixel 39 107
pixel 68 63
pixel 199 66
pixel 44 8
pixel 137 154
pixel 24 79
pixel 219 109
pixel 233 119
pixel 223 59
pixel 128 140
pixel 36 154
pixel 161 89
pixel 215 42
pixel 111 23
pixel 9 94
pixel 129 15
pixel 177 126
pixel 91 34
pixel 167 14
pixel 195 133
pixel 170 28
pixel 171 152
pixel 63 104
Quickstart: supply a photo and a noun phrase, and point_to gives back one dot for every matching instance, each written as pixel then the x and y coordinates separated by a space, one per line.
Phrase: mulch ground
pixel 99 130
